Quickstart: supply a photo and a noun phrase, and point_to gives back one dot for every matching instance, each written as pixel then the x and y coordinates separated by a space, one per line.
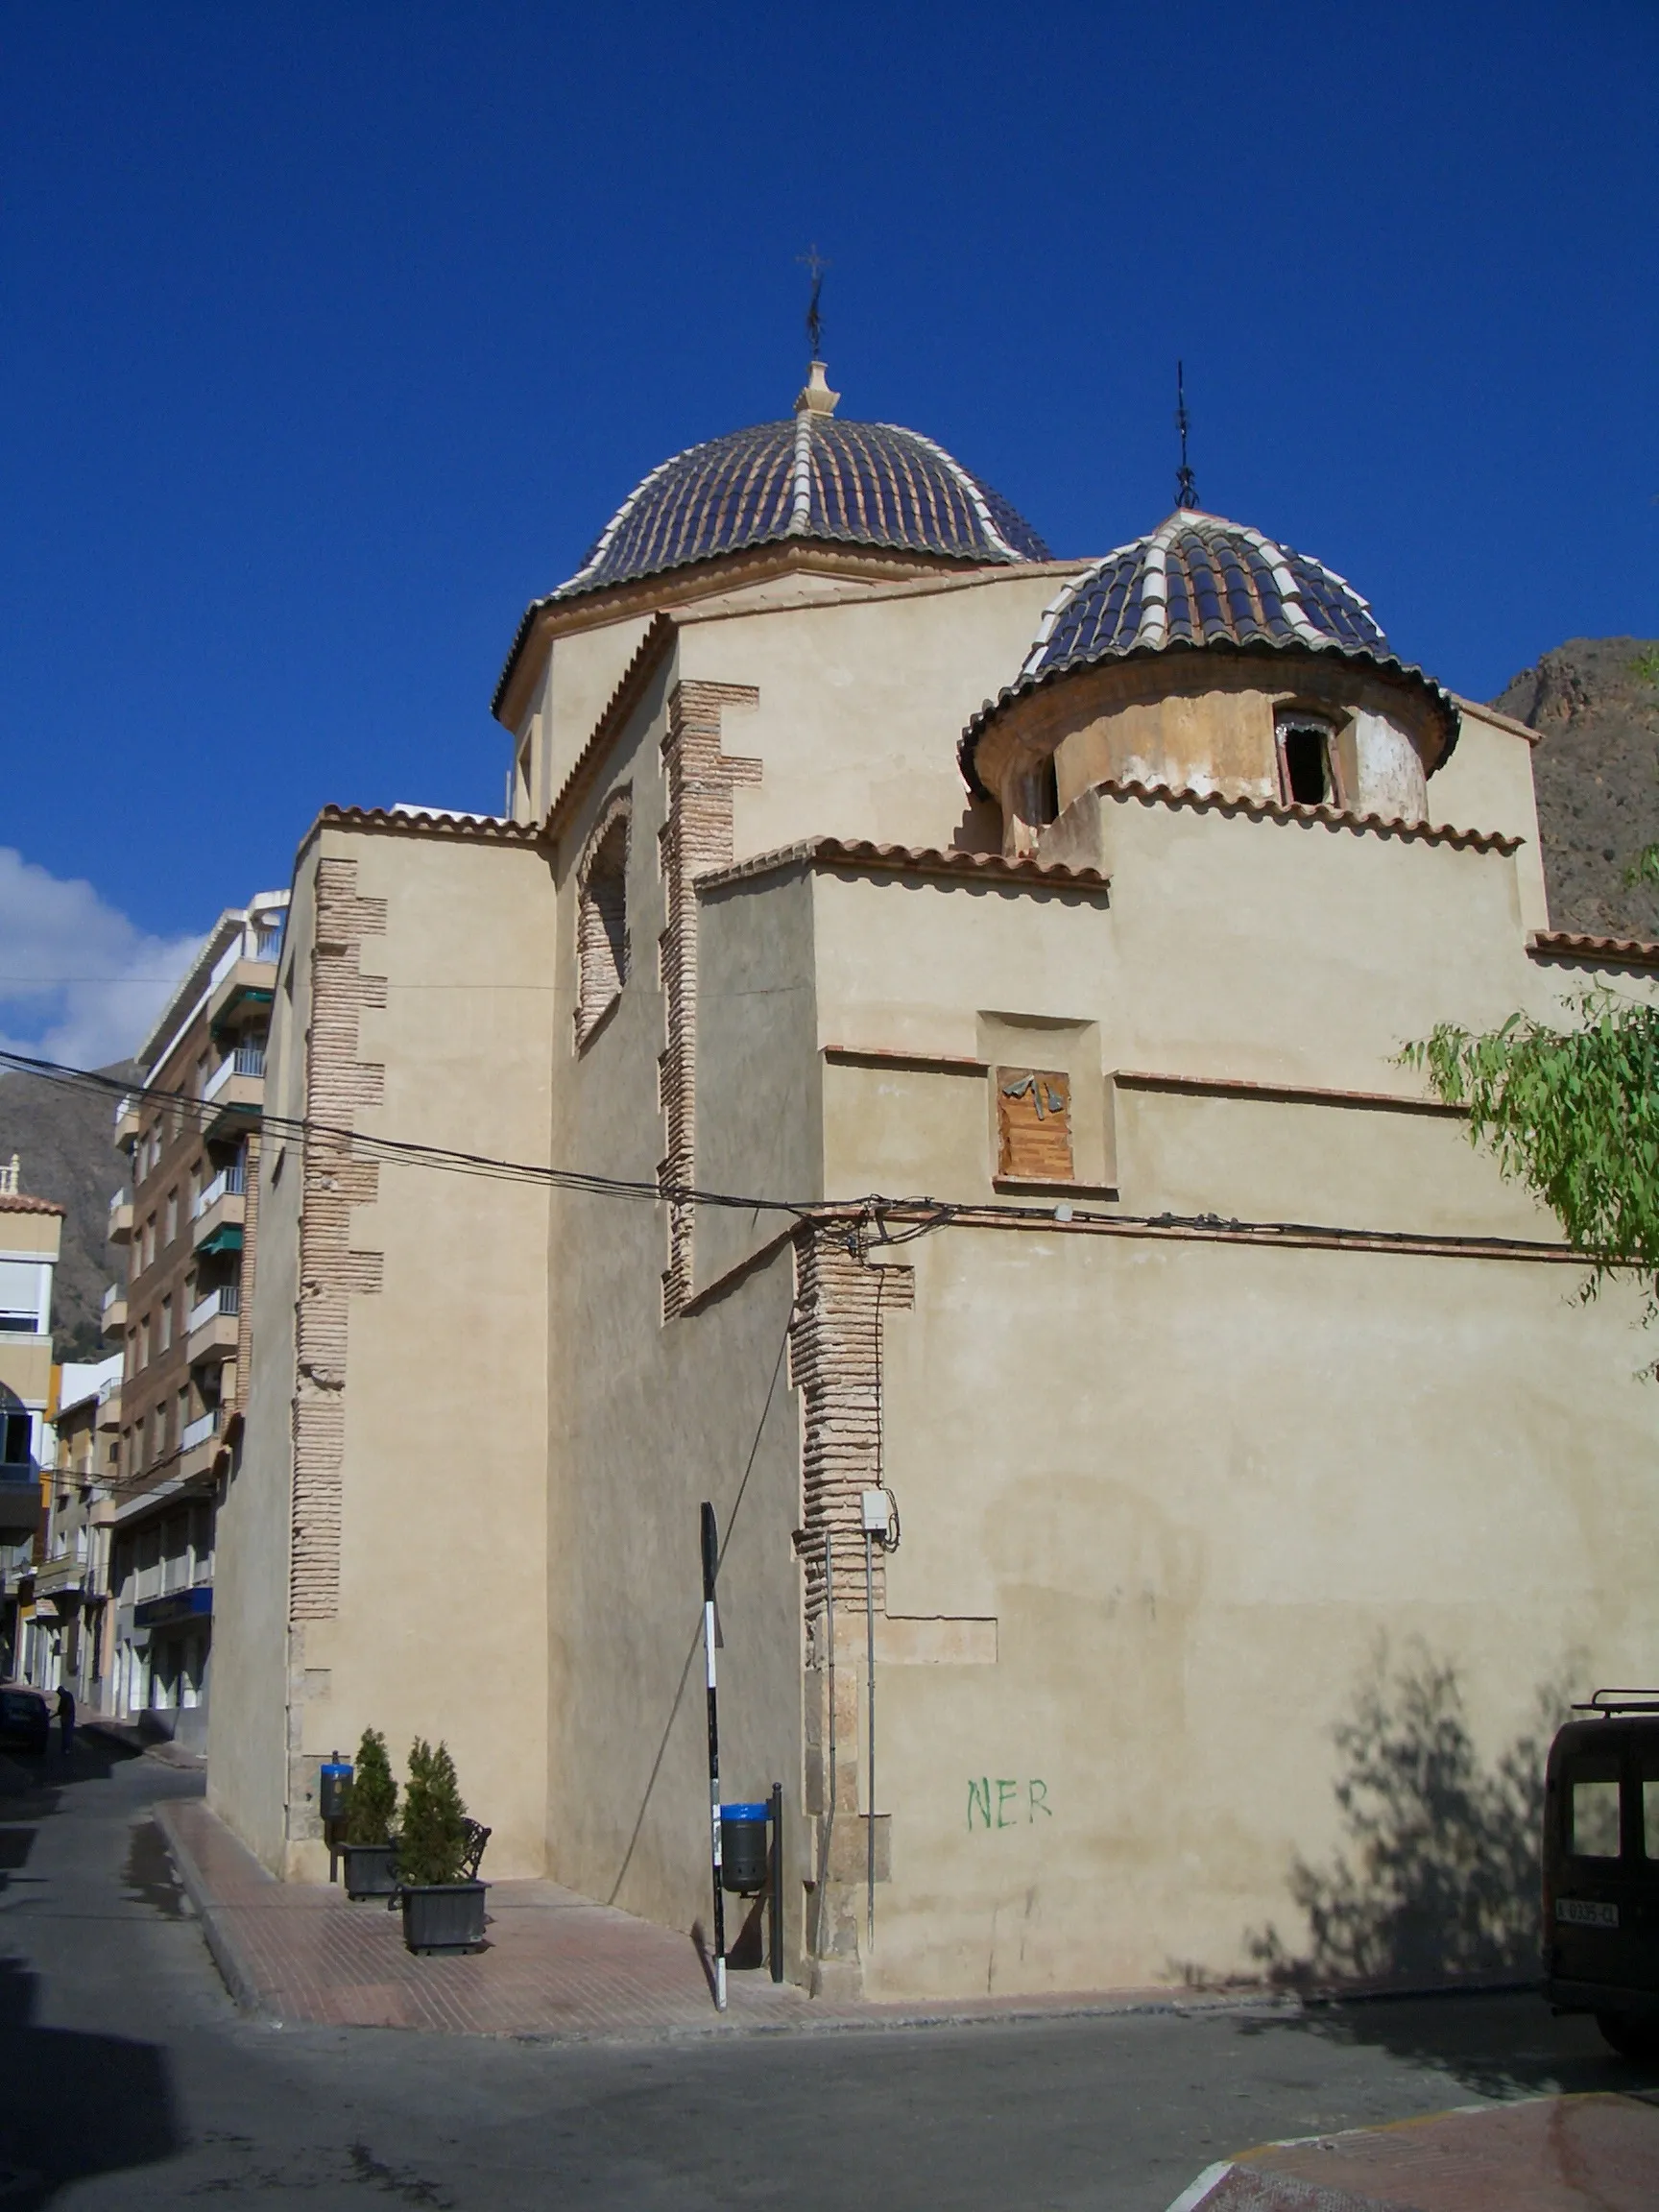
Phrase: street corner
pixel 1546 2155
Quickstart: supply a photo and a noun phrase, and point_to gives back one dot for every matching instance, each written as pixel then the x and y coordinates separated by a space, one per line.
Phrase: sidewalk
pixel 1590 2153
pixel 558 1964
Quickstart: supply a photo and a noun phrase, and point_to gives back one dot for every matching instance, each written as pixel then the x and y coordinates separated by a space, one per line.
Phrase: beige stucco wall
pixel 647 1421
pixel 1487 784
pixel 441 1623
pixel 1194 1484
pixel 862 700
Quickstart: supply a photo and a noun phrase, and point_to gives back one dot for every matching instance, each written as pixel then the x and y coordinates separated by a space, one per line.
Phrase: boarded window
pixel 602 921
pixel 1033 1125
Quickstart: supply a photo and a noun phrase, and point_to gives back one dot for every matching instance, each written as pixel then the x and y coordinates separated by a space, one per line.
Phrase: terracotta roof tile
pixel 18 1202
pixel 1272 811
pixel 1593 952
pixel 905 860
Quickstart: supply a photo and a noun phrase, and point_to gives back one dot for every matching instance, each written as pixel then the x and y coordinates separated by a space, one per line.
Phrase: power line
pixel 869 1223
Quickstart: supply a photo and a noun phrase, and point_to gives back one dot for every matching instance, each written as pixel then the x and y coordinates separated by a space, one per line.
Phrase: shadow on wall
pixel 1438 1880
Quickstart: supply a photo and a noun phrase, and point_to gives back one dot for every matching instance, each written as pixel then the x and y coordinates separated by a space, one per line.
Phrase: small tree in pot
pixel 441 1898
pixel 370 1848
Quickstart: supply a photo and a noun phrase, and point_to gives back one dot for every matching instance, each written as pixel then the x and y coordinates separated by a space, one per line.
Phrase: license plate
pixel 1586 1912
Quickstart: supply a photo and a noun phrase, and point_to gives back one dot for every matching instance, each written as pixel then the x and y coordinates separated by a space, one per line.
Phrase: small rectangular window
pixel 1307 761
pixel 172 1216
pixel 1594 1817
pixel 1033 1125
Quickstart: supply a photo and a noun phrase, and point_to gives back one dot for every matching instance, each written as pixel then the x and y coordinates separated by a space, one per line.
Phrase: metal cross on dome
pixel 1186 491
pixel 815 264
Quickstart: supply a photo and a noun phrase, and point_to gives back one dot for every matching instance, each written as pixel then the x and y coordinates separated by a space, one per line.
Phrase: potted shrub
pixel 371 1849
pixel 438 1853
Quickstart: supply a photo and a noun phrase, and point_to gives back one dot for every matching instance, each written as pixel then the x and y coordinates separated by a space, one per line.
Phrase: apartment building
pixel 70 1644
pixel 191 1135
pixel 31 1231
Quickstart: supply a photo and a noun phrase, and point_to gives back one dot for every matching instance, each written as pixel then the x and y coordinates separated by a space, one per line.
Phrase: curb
pixel 226 1954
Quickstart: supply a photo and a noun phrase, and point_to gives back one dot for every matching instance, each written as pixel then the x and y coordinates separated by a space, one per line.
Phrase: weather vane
pixel 1186 491
pixel 815 264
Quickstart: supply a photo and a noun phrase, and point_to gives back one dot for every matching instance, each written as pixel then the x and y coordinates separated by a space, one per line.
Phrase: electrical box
pixel 876 1512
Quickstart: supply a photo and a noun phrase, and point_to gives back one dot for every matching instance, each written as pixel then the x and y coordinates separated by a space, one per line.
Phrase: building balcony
pixel 121 1217
pixel 202 1430
pixel 244 983
pixel 219 1212
pixel 234 1094
pixel 215 1322
pixel 126 1123
pixel 109 1406
pixel 60 1577
pixel 21 1505
pixel 115 1310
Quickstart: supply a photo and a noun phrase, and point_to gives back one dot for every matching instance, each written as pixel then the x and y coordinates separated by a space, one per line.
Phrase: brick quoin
pixel 337 1085
pixel 696 837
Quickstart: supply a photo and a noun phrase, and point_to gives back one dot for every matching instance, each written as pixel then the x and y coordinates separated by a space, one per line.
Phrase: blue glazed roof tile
pixel 852 483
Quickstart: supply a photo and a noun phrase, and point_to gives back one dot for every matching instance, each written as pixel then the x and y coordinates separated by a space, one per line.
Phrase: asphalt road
pixel 128 2079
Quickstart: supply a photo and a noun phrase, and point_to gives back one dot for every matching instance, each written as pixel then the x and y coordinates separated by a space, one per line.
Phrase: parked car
pixel 25 1720
pixel 1602 1869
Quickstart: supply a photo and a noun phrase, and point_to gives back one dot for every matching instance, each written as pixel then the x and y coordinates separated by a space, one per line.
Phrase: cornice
pixel 1333 817
pixel 867 858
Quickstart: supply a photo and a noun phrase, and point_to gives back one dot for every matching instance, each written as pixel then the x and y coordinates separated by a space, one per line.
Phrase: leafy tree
pixel 1574 1114
pixel 373 1793
pixel 433 1844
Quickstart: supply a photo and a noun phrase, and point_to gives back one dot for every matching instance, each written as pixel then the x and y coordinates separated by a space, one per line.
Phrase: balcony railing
pixel 230 1183
pixel 246 1060
pixel 204 1427
pixel 226 1299
pixel 121 1216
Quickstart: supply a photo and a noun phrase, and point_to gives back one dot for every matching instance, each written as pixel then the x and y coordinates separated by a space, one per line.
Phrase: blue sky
pixel 334 333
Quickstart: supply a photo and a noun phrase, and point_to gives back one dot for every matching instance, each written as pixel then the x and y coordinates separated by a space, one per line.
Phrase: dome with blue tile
pixel 814 478
pixel 1199 580
pixel 1202 586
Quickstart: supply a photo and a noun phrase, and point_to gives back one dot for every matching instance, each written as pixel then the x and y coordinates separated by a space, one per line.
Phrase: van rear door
pixel 1599 1889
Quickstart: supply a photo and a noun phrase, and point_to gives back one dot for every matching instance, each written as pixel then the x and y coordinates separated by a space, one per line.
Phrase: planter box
pixel 444 1916
pixel 370 1869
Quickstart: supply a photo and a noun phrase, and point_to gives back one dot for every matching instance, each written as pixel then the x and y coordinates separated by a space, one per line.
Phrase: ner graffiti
pixel 999 1804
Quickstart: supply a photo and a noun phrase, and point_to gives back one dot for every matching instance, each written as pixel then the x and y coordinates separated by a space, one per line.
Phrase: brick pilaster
pixel 697 835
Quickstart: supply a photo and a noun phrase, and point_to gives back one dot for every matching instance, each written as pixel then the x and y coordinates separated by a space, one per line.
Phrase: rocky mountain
pixel 1594 703
pixel 65 1141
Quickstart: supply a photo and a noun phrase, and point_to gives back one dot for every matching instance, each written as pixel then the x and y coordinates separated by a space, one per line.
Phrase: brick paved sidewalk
pixel 558 1964
pixel 1593 2154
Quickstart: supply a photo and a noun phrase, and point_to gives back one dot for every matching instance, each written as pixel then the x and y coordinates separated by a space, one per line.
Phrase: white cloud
pixel 79 982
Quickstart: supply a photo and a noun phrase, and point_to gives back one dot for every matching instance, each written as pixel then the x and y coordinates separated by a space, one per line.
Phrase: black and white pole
pixel 710 1565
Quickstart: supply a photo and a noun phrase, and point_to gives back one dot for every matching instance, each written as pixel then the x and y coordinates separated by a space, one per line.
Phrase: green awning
pixel 228 1238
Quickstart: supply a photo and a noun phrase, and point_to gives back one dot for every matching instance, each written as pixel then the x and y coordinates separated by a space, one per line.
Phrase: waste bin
pixel 334 1790
pixel 743 1848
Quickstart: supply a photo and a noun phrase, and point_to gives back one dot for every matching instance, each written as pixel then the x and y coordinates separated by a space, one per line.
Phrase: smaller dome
pixel 1198 580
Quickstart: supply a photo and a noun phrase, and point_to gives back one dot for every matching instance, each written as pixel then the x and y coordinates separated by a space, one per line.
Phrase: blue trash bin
pixel 743 1848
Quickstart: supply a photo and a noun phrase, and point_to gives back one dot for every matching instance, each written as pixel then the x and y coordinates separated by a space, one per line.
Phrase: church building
pixel 925 1043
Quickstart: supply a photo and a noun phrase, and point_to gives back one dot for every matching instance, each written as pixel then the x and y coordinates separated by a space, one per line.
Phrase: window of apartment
pixel 20 1297
pixel 1033 1125
pixel 171 1217
pixel 17 1435
pixel 165 1326
pixel 602 919
pixel 1308 772
pixel 149 1241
